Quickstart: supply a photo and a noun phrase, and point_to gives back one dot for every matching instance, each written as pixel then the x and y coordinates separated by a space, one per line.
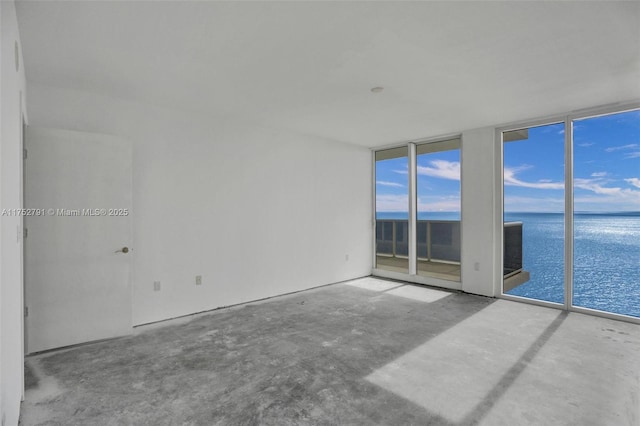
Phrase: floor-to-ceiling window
pixel 606 213
pixel 392 210
pixel 533 170
pixel 418 232
pixel 438 207
pixel 572 213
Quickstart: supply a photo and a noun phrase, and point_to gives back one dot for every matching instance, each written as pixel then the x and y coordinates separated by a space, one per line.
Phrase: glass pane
pixel 438 227
pixel 392 210
pixel 534 213
pixel 606 273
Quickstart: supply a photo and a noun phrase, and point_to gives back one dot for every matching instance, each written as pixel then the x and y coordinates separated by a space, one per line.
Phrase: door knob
pixel 123 250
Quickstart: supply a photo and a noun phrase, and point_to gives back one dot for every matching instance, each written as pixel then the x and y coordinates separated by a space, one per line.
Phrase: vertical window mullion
pixel 374 221
pixel 568 214
pixel 413 195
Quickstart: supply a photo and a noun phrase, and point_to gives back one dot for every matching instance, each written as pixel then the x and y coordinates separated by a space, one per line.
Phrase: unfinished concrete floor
pixel 365 352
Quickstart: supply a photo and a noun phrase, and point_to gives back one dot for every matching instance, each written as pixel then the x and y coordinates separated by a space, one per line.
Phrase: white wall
pixel 478 256
pixel 256 211
pixel 12 85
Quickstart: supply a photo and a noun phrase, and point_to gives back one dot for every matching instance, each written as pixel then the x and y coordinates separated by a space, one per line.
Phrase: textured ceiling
pixel 309 66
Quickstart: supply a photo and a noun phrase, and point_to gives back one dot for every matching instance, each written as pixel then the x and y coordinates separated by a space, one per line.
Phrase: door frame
pixel 22 155
pixel 411 275
pixel 128 241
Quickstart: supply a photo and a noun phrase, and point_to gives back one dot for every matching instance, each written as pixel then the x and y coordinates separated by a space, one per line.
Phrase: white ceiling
pixel 309 66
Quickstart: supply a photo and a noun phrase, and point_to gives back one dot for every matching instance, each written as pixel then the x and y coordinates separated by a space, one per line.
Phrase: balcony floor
pixel 445 271
pixel 367 352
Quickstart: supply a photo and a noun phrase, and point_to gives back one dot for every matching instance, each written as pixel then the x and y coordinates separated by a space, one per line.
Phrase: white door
pixel 77 275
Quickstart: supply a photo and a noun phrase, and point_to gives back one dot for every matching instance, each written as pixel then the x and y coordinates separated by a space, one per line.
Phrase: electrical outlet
pixel 156 286
pixel 198 279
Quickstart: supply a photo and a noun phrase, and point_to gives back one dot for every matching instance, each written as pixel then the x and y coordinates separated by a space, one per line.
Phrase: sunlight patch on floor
pixel 451 374
pixel 373 284
pixel 581 372
pixel 413 292
pixel 420 294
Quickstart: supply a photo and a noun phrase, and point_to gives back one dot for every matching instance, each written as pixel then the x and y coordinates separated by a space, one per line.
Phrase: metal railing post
pixel 429 241
pixel 393 237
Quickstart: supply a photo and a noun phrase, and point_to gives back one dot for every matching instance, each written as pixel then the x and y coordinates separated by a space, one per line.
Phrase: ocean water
pixel 606 258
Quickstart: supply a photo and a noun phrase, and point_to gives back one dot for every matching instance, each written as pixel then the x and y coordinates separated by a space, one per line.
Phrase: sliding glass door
pixel 438 206
pixel 418 228
pixel 572 213
pixel 392 210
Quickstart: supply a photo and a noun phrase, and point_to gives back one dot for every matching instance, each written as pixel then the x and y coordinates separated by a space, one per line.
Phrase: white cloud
pixel 532 204
pixel 606 198
pixel 445 205
pixel 586 144
pixel 599 174
pixel 400 203
pixel 633 155
pixel 441 169
pixel 622 147
pixel 392 203
pixel 634 181
pixel 391 184
pixel 594 186
pixel 614 194
pixel 510 179
pixel 605 203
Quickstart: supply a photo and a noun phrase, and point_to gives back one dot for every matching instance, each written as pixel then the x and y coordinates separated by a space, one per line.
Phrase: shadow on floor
pixel 481 410
pixel 299 360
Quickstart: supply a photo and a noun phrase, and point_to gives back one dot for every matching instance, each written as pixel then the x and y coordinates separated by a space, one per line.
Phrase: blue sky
pixel 606 166
pixel 606 171
pixel 607 163
pixel 438 183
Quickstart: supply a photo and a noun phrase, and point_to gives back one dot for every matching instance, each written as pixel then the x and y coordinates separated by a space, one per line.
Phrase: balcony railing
pixel 439 241
pixel 512 260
